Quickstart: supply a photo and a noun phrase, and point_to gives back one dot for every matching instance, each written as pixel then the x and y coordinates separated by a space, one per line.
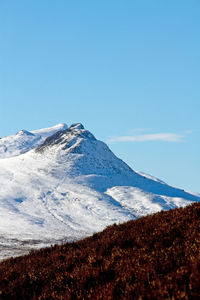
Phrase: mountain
pixel 70 186
pixel 154 257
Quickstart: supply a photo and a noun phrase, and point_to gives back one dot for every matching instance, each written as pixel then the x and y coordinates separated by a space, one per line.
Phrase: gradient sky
pixel 128 70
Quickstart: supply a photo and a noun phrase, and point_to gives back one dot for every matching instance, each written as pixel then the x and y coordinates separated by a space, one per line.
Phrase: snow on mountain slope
pixel 71 186
pixel 24 140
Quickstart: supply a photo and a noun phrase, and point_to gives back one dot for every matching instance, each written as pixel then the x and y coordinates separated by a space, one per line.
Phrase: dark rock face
pixel 77 126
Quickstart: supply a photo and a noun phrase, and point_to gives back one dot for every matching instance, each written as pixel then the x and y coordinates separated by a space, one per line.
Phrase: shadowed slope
pixel 155 257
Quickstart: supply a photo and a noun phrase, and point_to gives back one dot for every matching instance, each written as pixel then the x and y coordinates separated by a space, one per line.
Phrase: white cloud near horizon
pixel 166 137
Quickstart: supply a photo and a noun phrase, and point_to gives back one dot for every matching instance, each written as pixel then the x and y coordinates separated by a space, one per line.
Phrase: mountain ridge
pixel 24 140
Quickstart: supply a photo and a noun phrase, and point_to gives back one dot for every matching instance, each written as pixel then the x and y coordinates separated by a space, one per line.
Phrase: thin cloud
pixel 188 131
pixel 165 137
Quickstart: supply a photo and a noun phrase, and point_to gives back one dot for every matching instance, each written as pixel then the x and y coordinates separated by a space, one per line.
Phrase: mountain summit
pixel 69 138
pixel 67 185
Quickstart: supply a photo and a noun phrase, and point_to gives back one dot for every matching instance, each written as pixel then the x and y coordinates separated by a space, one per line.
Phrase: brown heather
pixel 155 257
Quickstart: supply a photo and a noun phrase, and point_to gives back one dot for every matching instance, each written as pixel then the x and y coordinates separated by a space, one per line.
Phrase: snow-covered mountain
pixel 68 186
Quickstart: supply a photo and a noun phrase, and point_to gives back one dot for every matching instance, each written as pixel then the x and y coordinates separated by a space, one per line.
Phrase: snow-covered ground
pixel 68 186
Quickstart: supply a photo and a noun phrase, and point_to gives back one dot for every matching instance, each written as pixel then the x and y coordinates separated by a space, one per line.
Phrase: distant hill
pixel 154 257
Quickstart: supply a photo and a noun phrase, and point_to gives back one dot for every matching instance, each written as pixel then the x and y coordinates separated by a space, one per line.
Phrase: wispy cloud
pixel 188 131
pixel 166 137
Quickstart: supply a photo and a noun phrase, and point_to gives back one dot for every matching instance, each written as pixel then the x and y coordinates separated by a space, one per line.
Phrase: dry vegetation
pixel 155 257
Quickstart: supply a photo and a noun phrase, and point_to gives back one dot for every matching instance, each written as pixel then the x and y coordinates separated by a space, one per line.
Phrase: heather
pixel 154 257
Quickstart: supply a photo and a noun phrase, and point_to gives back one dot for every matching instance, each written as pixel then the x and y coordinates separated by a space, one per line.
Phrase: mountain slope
pixel 71 186
pixel 154 257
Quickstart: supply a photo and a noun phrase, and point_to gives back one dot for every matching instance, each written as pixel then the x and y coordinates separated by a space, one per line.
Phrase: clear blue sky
pixel 128 70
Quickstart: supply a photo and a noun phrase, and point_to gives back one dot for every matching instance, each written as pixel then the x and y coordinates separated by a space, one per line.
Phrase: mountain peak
pixel 68 138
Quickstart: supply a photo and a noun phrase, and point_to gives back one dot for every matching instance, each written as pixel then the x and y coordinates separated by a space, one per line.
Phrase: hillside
pixel 154 257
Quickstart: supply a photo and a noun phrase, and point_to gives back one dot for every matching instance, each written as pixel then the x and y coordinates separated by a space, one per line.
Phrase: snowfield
pixel 61 184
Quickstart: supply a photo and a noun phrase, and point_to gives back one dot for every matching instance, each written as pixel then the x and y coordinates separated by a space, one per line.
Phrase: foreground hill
pixel 62 184
pixel 154 257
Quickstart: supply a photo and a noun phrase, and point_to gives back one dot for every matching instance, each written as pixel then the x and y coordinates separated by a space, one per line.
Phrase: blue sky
pixel 128 70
